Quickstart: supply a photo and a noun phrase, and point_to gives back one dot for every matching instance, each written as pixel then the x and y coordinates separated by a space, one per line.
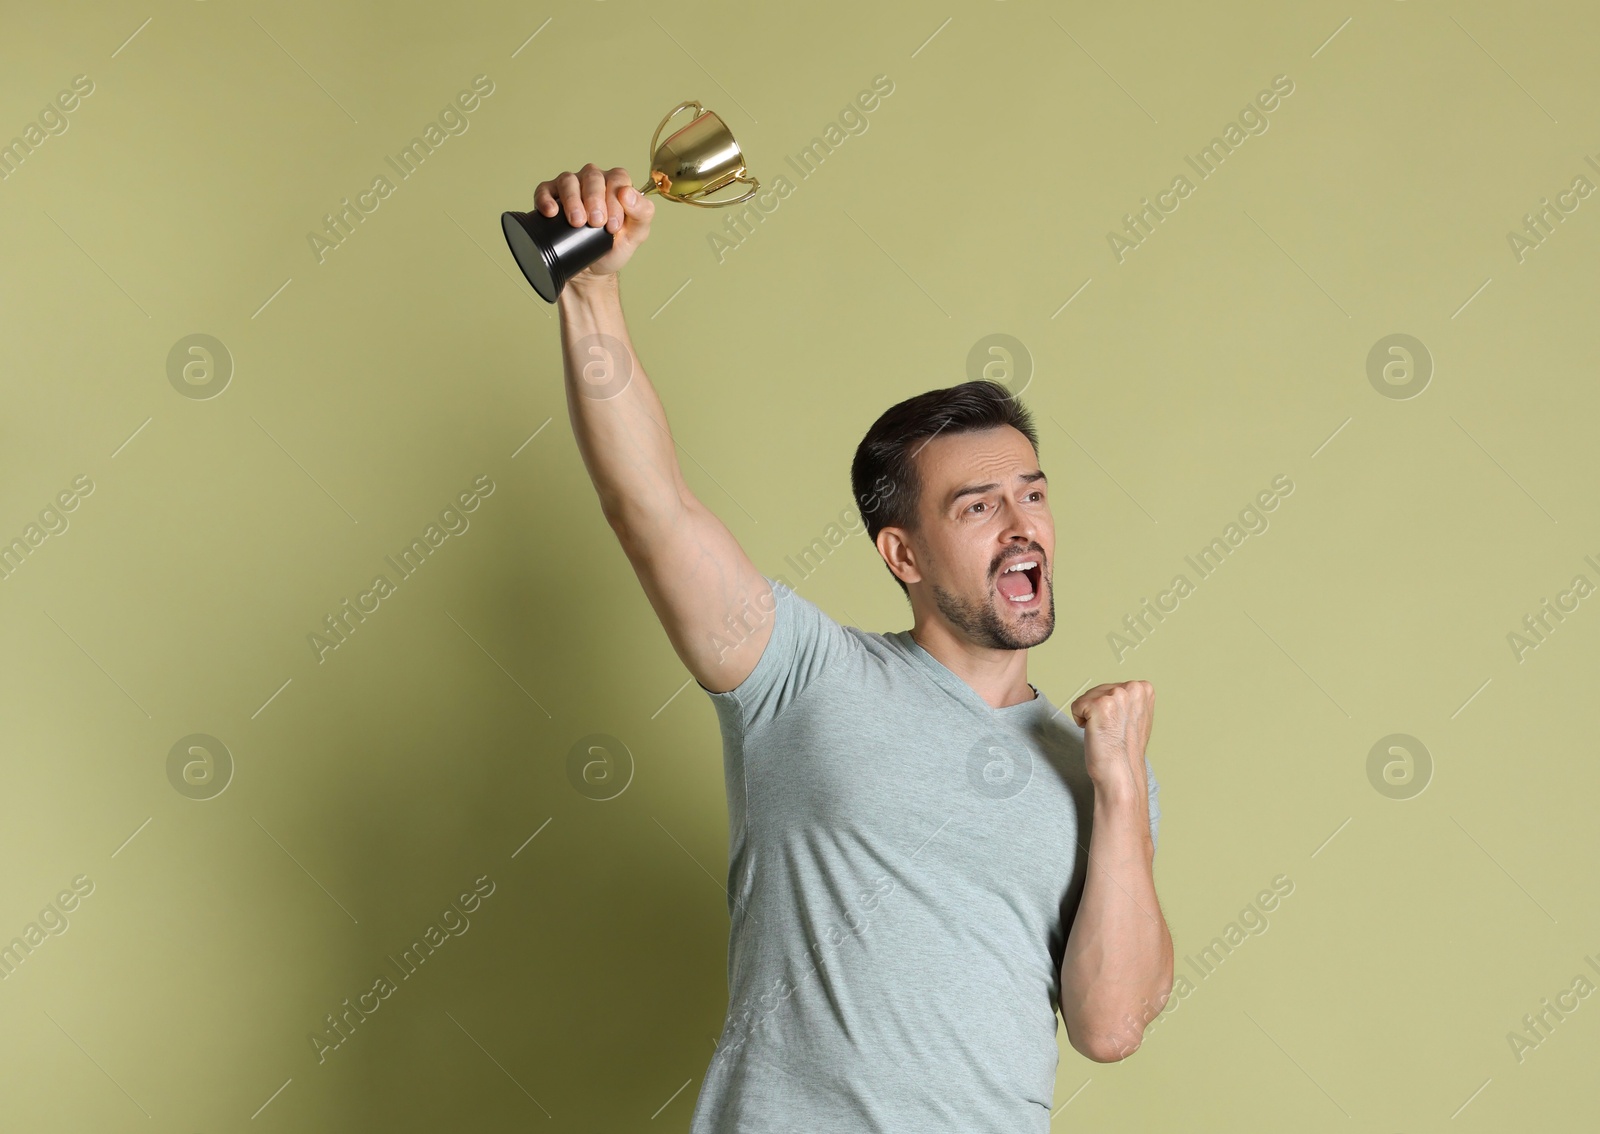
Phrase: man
pixel 926 858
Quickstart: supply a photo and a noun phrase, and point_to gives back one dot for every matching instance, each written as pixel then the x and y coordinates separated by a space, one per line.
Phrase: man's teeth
pixel 1022 565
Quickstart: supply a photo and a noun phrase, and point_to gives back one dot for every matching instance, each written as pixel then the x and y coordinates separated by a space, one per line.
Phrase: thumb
pixel 637 207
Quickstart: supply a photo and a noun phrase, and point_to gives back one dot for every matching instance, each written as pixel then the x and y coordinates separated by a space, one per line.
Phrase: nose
pixel 1020 533
pixel 1020 527
pixel 1014 542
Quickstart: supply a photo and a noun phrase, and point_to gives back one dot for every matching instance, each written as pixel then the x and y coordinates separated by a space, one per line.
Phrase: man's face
pixel 985 508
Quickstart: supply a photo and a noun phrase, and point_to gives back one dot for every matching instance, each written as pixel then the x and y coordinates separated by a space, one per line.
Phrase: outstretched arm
pixel 712 601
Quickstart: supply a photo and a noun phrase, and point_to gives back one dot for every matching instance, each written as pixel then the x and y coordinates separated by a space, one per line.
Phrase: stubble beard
pixel 982 624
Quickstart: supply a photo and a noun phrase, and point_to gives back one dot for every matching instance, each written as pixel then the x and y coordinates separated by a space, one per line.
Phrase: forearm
pixel 1117 969
pixel 623 434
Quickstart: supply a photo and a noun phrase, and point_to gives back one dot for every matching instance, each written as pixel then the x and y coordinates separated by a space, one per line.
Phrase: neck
pixel 1000 677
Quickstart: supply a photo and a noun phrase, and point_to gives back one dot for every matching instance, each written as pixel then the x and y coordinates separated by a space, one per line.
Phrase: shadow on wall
pixel 517 940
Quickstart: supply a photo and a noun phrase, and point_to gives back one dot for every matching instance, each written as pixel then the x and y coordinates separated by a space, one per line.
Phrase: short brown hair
pixel 883 475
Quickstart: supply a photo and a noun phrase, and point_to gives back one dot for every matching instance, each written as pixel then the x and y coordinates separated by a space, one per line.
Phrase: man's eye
pixel 979 504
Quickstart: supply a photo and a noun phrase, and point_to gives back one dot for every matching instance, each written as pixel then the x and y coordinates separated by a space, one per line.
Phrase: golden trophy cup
pixel 696 161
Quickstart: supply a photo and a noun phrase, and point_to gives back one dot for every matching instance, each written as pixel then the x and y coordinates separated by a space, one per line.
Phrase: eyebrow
pixel 979 489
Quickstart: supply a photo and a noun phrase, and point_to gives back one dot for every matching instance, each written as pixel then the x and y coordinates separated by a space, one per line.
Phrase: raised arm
pixel 712 601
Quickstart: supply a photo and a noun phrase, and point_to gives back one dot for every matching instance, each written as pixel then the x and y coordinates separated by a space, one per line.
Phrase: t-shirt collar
pixel 952 681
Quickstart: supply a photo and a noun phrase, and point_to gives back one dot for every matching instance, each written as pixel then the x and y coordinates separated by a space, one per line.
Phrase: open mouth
pixel 1019 581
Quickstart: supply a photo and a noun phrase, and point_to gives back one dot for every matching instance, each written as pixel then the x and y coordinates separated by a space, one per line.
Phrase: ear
pixel 894 544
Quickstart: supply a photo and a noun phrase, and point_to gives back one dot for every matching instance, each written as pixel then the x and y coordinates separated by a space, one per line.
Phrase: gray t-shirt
pixel 904 864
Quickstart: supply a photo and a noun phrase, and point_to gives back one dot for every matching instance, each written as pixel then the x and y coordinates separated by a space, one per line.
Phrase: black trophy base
pixel 550 251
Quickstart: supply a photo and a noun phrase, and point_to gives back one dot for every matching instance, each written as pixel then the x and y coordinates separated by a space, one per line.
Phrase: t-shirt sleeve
pixel 1155 804
pixel 804 644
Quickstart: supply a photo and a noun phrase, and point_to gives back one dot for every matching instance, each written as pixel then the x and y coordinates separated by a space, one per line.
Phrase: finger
pixel 1081 705
pixel 617 183
pixel 594 193
pixel 566 190
pixel 544 201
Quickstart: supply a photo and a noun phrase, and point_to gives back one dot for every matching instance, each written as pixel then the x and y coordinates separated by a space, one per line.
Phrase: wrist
pixel 1116 793
pixel 587 285
pixel 1120 814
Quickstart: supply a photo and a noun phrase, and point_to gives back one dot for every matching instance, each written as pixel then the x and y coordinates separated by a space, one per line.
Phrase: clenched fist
pixel 1116 722
pixel 596 197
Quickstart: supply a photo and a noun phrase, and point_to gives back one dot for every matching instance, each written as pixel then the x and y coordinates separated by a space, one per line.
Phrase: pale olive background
pixel 372 388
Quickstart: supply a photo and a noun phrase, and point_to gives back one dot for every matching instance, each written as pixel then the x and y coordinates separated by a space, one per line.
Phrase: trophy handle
pixel 655 139
pixel 745 196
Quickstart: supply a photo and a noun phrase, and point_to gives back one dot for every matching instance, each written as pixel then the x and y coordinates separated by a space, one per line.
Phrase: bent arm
pixel 1116 973
pixel 707 593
